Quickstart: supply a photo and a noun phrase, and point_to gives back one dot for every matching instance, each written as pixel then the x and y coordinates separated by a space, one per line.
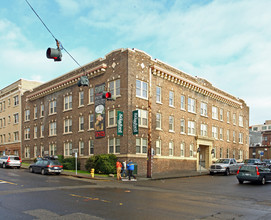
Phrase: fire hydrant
pixel 92 172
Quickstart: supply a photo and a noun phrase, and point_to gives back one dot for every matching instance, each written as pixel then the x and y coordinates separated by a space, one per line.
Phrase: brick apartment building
pixel 10 116
pixel 192 122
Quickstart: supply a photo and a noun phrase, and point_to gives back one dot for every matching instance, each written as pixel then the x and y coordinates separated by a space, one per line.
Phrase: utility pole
pixel 149 156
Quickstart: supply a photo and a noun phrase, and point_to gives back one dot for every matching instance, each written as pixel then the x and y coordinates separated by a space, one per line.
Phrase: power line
pixel 52 33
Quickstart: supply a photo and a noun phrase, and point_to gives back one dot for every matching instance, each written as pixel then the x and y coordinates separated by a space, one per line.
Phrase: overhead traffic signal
pixel 55 54
pixel 106 95
pixel 83 81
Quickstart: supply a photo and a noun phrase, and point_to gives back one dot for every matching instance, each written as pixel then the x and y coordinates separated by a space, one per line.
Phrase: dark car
pixel 46 166
pixel 253 173
pixel 253 161
pixel 267 163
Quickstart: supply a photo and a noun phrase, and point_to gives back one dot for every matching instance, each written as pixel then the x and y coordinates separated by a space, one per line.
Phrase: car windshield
pixel 14 158
pixel 222 161
pixel 251 161
pixel 247 169
pixel 54 162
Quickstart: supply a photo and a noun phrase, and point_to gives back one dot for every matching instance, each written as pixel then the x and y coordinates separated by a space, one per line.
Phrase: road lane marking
pixel 3 181
pixel 86 198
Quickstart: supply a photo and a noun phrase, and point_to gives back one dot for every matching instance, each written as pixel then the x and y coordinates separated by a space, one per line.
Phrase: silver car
pixel 10 161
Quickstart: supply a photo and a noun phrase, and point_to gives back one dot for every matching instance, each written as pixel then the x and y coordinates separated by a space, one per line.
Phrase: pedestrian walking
pixel 124 173
pixel 130 168
pixel 118 166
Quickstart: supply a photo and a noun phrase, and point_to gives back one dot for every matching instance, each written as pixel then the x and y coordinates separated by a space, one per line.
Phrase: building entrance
pixel 204 158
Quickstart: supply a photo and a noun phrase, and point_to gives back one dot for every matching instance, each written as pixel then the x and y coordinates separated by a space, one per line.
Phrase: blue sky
pixel 227 42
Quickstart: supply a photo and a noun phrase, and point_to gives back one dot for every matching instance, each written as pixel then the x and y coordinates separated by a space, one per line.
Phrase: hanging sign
pixel 135 122
pixel 120 123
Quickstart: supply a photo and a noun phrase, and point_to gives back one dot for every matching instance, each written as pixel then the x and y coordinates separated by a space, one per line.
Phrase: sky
pixel 227 42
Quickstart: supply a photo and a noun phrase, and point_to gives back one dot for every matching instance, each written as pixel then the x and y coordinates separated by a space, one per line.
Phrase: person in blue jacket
pixel 130 168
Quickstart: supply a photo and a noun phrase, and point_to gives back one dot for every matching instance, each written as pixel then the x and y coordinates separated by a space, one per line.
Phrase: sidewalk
pixel 160 176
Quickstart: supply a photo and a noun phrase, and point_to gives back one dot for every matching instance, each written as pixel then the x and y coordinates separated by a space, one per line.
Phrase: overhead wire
pixel 58 42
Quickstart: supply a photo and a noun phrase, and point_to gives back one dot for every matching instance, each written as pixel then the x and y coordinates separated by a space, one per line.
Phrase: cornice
pixel 193 86
pixel 66 83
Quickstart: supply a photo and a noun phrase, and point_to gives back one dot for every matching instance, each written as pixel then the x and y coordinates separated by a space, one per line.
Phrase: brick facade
pixel 136 77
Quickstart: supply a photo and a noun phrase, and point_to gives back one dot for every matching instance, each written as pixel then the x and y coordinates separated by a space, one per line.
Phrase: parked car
pixel 267 163
pixel 46 166
pixel 253 173
pixel 226 166
pixel 253 161
pixel 10 161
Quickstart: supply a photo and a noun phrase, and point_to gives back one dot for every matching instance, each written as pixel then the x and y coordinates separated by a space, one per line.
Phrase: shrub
pixel 68 163
pixel 103 163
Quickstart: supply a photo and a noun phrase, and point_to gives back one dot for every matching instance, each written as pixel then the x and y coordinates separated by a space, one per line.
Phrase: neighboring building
pixel 262 127
pixel 10 115
pixel 186 113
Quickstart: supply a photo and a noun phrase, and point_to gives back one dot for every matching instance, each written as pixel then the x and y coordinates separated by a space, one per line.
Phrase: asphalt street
pixel 25 195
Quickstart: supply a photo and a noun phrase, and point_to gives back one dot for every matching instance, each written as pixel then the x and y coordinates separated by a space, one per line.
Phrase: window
pixel 182 102
pixel 142 118
pixel 221 133
pixel 182 126
pixel 114 145
pixel 81 123
pixel 27 115
pixel 114 88
pixel 171 98
pixel 182 149
pixel 41 110
pixel 158 147
pixel 68 126
pixel 35 151
pixel 214 113
pixel 203 109
pixel 91 121
pixel 141 145
pixel 241 121
pixel 241 138
pixel 68 149
pixel 16 118
pixel 52 129
pixel 228 153
pixel 203 130
pixel 171 123
pixel 192 105
pixel 4 122
pixel 221 114
pixel 141 89
pixel 112 118
pixel 191 128
pixel 27 152
pixel 81 98
pixel 27 134
pixel 214 132
pixel 81 148
pixel 91 95
pixel 233 137
pixel 158 94
pixel 35 132
pixel 234 118
pixel 68 102
pixel 158 121
pixel 42 131
pixel 16 100
pixel 240 155
pixel 221 152
pixel 52 107
pixel 171 148
pixel 228 117
pixel 52 149
pixel 16 136
pixel 233 154
pixel 91 147
pixel 35 112
pixel 191 150
pixel 214 152
pixel 228 135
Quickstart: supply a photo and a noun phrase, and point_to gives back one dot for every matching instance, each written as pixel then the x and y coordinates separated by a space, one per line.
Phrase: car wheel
pixel 4 165
pixel 227 172
pixel 241 181
pixel 263 181
pixel 57 173
pixel 211 173
pixel 42 172
pixel 31 170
